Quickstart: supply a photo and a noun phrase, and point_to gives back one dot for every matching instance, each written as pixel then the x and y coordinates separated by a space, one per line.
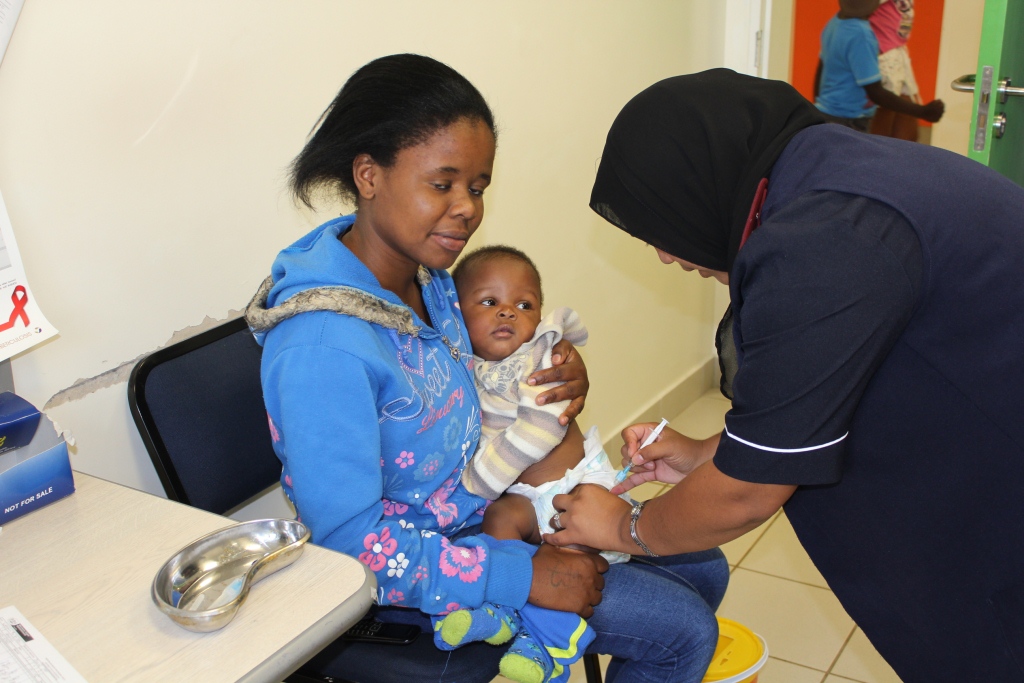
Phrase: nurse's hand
pixel 592 516
pixel 566 366
pixel 567 580
pixel 669 459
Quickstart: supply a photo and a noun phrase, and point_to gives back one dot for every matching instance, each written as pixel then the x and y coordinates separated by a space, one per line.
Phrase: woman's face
pixel 667 259
pixel 425 207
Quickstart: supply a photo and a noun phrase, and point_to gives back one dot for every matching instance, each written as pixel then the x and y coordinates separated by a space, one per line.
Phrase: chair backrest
pixel 198 405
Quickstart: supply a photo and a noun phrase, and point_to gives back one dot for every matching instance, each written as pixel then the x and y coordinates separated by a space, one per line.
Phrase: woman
pixel 878 320
pixel 367 379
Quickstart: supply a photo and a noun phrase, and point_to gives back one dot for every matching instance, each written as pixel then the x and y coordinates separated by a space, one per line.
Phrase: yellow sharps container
pixel 740 654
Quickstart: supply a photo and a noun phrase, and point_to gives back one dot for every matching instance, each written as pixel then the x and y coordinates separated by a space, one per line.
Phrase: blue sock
pixel 527 661
pixel 494 624
pixel 565 637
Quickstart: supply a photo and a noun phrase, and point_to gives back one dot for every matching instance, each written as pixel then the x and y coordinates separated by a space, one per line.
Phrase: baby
pixel 525 456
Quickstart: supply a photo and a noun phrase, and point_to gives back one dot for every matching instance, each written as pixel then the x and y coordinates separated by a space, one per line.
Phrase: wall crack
pixel 83 387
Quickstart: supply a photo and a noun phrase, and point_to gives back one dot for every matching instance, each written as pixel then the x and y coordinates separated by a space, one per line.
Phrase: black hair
pixel 491 253
pixel 390 104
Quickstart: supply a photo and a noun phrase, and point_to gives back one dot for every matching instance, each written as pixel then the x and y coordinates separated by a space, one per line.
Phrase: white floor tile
pixel 778 671
pixel 860 661
pixel 704 417
pixel 737 549
pixel 832 678
pixel 802 624
pixel 779 553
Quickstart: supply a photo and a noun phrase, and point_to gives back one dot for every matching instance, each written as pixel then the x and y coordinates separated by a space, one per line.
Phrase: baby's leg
pixel 512 517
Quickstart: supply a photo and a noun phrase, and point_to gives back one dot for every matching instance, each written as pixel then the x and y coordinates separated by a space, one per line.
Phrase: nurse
pixel 877 311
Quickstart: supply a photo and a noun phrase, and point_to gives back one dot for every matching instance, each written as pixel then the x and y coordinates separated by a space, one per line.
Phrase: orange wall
pixel 810 17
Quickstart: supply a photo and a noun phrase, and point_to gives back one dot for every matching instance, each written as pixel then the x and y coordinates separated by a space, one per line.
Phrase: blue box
pixel 18 421
pixel 35 474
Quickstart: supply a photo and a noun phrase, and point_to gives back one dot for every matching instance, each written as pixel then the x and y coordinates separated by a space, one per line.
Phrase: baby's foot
pixel 494 624
pixel 528 662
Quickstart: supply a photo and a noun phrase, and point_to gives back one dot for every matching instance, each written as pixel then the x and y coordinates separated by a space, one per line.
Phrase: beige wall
pixel 780 49
pixel 958 55
pixel 144 146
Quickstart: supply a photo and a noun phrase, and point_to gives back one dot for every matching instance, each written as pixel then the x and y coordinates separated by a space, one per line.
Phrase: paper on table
pixel 22 324
pixel 26 656
pixel 9 11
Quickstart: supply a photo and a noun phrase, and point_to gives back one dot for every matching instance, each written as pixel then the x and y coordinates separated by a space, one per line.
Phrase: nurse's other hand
pixel 566 366
pixel 567 580
pixel 670 458
pixel 590 515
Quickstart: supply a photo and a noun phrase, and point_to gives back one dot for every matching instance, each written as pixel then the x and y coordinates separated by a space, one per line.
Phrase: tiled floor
pixel 776 591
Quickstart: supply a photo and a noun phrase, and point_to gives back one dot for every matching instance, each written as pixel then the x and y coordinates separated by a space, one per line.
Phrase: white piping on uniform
pixel 785 450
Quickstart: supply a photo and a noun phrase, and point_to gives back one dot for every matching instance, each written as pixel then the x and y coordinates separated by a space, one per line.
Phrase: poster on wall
pixel 9 11
pixel 22 324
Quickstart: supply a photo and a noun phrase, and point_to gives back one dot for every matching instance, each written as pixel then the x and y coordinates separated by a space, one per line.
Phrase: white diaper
pixel 595 468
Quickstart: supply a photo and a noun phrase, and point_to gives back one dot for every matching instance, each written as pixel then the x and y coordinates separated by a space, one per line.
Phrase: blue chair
pixel 198 406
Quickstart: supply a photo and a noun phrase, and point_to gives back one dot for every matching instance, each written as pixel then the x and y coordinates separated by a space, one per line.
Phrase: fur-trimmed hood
pixel 344 300
pixel 297 285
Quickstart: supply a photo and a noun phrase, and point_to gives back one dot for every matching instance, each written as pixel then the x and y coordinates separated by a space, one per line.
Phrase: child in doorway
pixel 892 22
pixel 525 456
pixel 848 83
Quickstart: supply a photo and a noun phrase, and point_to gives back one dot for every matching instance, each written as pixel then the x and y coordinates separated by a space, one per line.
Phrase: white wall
pixel 144 147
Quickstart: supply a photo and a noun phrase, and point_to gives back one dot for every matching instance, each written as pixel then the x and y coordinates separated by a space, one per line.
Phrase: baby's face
pixel 500 300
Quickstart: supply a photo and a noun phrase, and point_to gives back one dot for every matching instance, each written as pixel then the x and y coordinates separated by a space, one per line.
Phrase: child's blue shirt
pixel 373 414
pixel 849 61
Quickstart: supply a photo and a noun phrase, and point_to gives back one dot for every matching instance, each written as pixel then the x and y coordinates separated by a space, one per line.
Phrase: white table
pixel 80 570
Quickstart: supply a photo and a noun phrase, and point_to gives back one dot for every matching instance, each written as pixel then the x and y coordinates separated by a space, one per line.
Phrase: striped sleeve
pixel 529 431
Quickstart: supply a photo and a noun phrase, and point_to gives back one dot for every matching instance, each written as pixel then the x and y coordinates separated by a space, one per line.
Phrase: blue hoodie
pixel 374 415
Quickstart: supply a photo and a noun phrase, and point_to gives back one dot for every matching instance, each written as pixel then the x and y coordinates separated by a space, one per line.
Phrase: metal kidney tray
pixel 202 586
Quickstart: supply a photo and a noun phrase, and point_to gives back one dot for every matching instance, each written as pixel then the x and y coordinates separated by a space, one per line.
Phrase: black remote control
pixel 372 631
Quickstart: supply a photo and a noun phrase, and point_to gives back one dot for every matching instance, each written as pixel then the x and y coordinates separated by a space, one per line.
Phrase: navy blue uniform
pixel 879 323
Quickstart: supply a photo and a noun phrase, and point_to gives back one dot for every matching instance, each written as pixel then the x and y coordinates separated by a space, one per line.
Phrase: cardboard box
pixel 18 421
pixel 35 474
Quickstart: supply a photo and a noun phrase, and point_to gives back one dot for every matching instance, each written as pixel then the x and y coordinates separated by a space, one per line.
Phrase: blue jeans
pixel 656 619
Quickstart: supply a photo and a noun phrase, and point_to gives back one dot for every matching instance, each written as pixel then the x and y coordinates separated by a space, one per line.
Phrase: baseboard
pixel 673 401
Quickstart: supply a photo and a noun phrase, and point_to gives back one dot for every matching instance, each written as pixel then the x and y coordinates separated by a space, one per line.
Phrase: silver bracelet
pixel 634 517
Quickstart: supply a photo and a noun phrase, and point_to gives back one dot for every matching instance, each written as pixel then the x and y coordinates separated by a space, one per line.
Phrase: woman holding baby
pixel 369 389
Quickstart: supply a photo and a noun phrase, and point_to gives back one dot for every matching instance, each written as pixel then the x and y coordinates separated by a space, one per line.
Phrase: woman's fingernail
pixel 556 358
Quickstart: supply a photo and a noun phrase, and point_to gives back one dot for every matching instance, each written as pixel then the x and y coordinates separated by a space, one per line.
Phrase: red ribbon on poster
pixel 19 308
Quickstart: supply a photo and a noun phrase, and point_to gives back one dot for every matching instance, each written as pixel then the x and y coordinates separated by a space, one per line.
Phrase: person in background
pixel 848 83
pixel 878 321
pixel 891 23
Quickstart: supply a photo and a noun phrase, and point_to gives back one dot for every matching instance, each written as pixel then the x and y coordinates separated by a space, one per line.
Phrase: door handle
pixel 966 84
pixel 963 84
pixel 999 125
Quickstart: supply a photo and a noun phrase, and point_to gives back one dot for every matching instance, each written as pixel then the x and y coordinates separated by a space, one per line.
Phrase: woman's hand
pixel 567 580
pixel 566 366
pixel 670 458
pixel 592 516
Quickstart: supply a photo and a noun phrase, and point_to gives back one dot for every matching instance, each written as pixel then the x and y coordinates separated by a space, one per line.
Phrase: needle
pixel 621 476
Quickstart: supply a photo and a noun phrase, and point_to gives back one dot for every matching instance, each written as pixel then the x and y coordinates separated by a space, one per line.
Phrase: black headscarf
pixel 684 158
